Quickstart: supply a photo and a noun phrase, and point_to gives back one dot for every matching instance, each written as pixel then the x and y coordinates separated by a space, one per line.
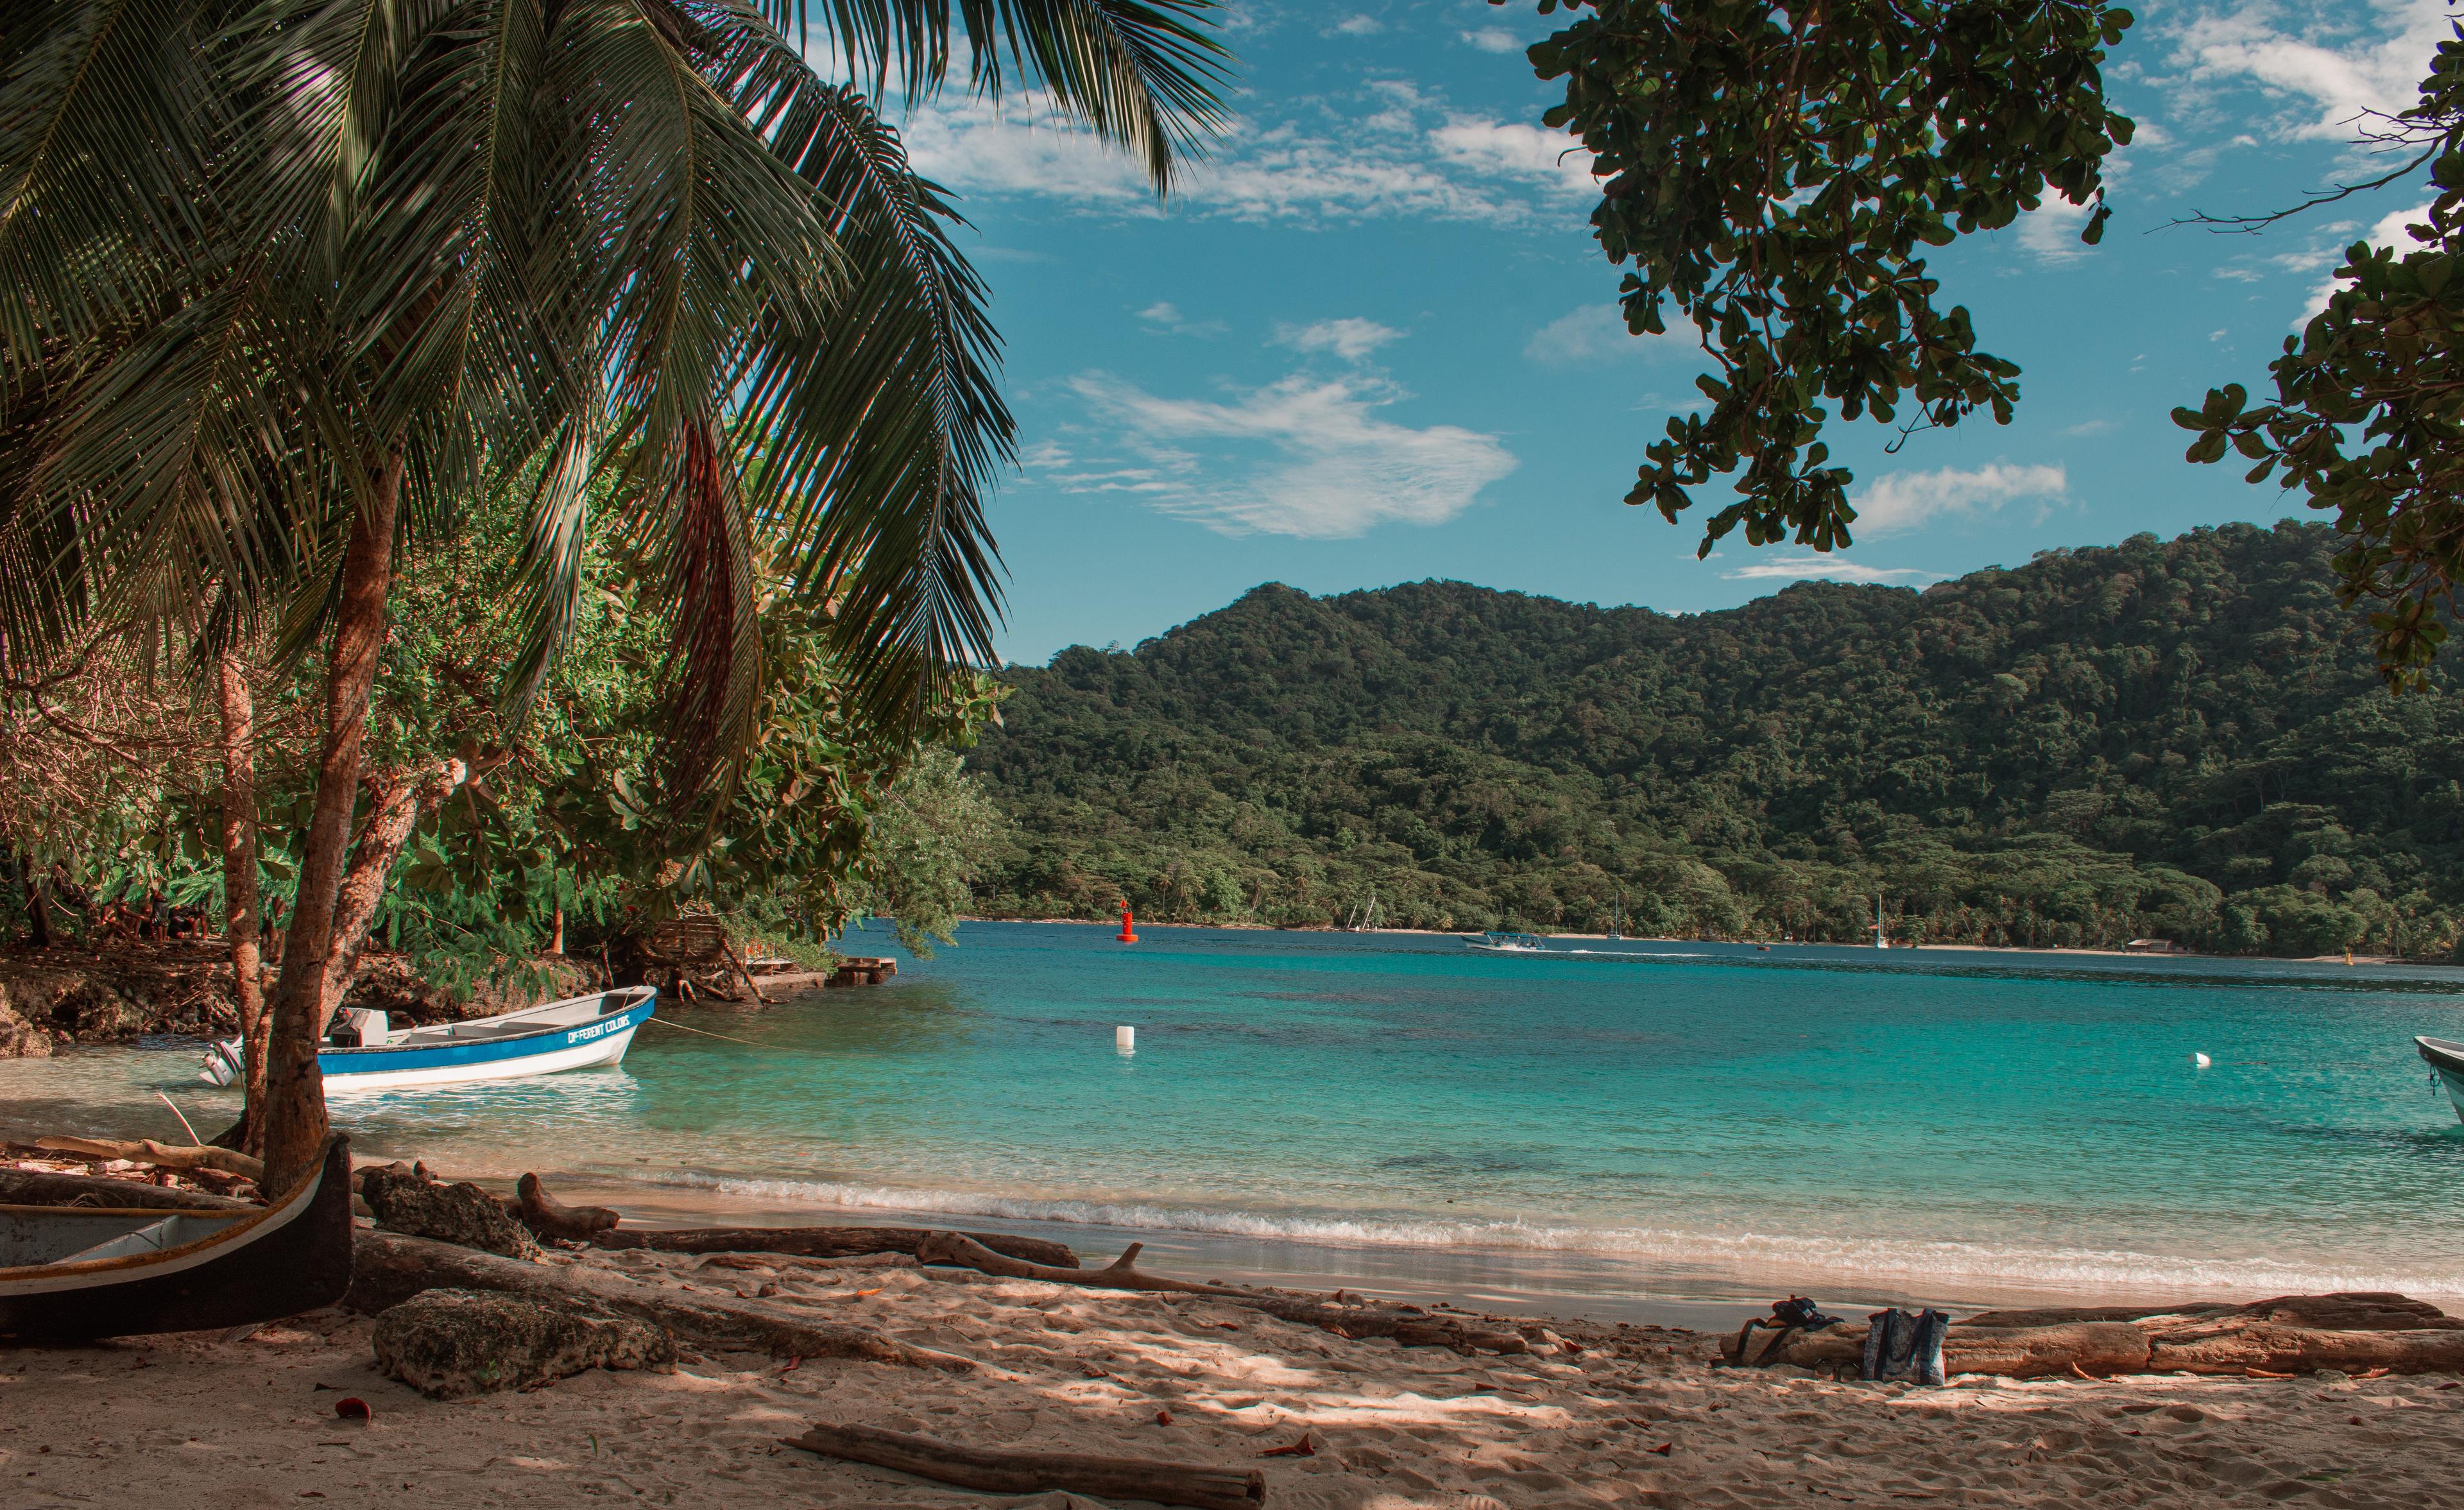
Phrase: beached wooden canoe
pixel 82 1271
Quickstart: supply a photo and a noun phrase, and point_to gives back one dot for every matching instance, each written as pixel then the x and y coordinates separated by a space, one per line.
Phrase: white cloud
pixel 1305 457
pixel 2052 230
pixel 1164 316
pixel 1597 332
pixel 2330 60
pixel 2389 231
pixel 1350 339
pixel 1401 153
pixel 1552 159
pixel 1902 501
pixel 1826 567
pixel 1358 26
pixel 1493 39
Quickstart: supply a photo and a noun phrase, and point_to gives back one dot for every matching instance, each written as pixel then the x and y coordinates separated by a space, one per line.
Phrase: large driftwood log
pixel 1412 1328
pixel 2288 1335
pixel 811 1242
pixel 550 1217
pixel 2303 1349
pixel 1009 1471
pixel 387 1269
pixel 161 1155
pixel 42 1187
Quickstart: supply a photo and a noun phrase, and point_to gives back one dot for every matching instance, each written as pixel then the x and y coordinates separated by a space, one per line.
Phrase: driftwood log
pixel 1410 1326
pixel 2353 1331
pixel 43 1187
pixel 162 1156
pixel 549 1217
pixel 1007 1472
pixel 387 1269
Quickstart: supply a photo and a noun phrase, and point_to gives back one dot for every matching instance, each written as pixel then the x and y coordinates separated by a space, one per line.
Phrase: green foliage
pixel 2181 739
pixel 2369 413
pixel 1775 172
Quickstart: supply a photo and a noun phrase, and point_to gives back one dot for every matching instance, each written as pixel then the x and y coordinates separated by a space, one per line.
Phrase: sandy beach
pixel 1638 1416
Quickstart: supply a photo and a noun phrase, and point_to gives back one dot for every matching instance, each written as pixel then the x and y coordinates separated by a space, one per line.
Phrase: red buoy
pixel 1128 935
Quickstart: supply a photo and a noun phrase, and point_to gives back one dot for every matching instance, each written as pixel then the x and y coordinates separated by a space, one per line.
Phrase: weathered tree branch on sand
pixel 387 1269
pixel 810 1242
pixel 1412 1328
pixel 549 1217
pixel 164 1156
pixel 2279 1338
pixel 1003 1470
pixel 774 1261
pixel 43 1187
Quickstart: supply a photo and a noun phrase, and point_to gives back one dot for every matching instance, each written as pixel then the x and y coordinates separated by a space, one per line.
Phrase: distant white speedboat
pixel 574 1034
pixel 1507 944
pixel 2446 1058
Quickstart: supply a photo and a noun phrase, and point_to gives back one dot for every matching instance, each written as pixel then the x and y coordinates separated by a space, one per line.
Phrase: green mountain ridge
pixel 2179 739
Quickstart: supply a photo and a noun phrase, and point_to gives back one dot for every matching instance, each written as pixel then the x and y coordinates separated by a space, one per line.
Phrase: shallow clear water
pixel 1935 1124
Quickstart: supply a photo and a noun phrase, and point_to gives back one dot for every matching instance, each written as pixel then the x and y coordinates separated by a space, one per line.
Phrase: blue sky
pixel 1373 340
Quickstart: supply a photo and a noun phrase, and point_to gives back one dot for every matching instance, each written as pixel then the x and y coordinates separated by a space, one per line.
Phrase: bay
pixel 1652 1123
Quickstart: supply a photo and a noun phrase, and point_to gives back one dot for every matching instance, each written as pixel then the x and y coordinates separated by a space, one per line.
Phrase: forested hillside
pixel 2181 739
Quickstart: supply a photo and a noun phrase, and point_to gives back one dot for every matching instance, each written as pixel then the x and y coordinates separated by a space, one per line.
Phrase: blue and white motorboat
pixel 1507 944
pixel 2446 1058
pixel 577 1033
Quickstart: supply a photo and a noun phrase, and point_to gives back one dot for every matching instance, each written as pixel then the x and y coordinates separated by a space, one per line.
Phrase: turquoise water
pixel 1694 1121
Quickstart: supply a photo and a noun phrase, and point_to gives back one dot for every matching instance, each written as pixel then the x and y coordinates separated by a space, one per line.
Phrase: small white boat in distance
pixel 1507 944
pixel 577 1033
pixel 2446 1058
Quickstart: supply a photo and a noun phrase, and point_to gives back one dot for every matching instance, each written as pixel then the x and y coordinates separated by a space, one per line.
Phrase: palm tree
pixel 289 279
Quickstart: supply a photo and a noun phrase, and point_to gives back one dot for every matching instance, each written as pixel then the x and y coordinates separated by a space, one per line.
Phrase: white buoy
pixel 2201 1060
pixel 1126 1039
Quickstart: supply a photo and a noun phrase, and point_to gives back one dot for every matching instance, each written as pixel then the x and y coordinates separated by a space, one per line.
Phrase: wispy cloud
pixel 2329 60
pixel 1305 457
pixel 1493 39
pixel 1904 500
pixel 1597 332
pixel 1351 339
pixel 1165 317
pixel 1810 567
pixel 1399 152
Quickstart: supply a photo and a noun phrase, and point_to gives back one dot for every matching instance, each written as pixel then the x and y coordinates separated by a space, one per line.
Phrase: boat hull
pixel 287 1259
pixel 2447 1061
pixel 580 1048
pixel 509 1056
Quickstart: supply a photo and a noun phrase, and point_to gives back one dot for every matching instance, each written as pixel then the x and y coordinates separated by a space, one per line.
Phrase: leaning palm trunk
pixel 404 799
pixel 295 1091
pixel 239 889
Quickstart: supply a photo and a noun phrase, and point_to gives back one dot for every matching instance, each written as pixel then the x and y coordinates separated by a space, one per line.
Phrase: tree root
pixel 1412 1328
pixel 387 1269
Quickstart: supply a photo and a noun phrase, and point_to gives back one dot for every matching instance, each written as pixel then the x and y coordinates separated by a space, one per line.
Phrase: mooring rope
pixel 705 1032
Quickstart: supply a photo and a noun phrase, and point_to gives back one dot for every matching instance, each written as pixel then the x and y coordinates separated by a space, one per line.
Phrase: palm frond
pixel 1143 74
pixel 880 431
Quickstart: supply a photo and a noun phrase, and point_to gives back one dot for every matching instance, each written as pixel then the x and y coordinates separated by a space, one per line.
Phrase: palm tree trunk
pixel 404 799
pixel 239 889
pixel 295 1092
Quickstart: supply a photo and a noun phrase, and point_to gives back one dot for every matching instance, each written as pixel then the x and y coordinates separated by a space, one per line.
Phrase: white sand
pixel 195 1423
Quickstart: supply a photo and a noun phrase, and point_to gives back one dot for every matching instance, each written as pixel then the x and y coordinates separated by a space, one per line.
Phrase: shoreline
pixel 1695 1292
pixel 2066 951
